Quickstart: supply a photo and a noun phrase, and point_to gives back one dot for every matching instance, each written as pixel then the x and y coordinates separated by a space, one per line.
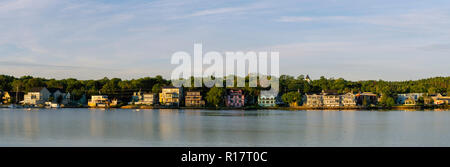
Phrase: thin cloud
pixel 221 11
pixel 436 47
pixel 24 64
pixel 15 5
pixel 294 19
pixel 416 19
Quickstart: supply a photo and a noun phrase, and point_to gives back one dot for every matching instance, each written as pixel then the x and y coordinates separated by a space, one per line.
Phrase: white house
pixel 401 98
pixel 40 95
pixel 36 96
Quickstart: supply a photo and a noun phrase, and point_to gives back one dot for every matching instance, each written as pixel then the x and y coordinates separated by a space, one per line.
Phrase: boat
pixel 15 106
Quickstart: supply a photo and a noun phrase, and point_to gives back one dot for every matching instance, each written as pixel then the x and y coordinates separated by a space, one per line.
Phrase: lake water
pixel 166 127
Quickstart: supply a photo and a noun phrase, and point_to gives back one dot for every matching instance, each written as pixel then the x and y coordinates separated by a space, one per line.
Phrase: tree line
pixel 292 87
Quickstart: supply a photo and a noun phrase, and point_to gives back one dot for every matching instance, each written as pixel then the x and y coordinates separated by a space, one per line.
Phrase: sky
pixel 352 39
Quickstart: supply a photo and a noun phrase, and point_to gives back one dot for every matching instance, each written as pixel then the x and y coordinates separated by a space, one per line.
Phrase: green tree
pixel 420 101
pixel 390 102
pixel 59 99
pixel 51 99
pixel 292 98
pixel 5 82
pixel 214 96
pixel 157 88
pixel 17 85
pixel 432 90
pixel 387 101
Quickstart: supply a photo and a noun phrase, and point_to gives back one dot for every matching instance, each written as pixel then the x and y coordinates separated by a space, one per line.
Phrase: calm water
pixel 95 127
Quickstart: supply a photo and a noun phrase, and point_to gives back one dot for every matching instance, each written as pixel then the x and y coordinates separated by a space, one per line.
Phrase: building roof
pixel 366 94
pixel 310 94
pixel 99 95
pixel 409 94
pixel 36 89
pixel 170 87
pixel 268 94
pixel 193 91
pixel 235 92
pixel 330 92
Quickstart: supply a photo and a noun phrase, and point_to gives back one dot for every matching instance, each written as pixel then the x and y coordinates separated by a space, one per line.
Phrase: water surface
pixel 166 127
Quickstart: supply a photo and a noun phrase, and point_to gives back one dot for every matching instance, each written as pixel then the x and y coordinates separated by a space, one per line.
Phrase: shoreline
pixel 291 108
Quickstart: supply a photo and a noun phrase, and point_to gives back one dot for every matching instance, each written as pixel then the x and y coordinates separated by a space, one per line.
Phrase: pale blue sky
pixel 353 39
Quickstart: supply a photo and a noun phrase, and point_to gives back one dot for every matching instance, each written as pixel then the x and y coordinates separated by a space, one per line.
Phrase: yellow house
pixel 11 97
pixel 99 101
pixel 170 96
pixel 440 99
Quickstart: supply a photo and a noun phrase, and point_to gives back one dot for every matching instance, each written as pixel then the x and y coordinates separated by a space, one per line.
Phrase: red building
pixel 235 98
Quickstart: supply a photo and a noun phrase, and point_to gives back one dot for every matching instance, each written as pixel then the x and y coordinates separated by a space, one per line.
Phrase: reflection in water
pixel 165 123
pixel 168 127
pixel 96 127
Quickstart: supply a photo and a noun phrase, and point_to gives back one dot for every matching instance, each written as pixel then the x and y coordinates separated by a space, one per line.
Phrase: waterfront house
pixel 99 101
pixel 235 98
pixel 37 96
pixel 144 98
pixel 58 96
pixel 40 95
pixel 267 99
pixel 331 98
pixel 410 101
pixel 194 99
pixel 348 99
pixel 408 98
pixel 366 98
pixel 439 99
pixel 170 96
pixel 313 100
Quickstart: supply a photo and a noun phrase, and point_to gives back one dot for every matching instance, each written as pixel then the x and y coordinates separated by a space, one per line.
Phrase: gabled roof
pixel 235 92
pixel 53 90
pixel 330 92
pixel 169 87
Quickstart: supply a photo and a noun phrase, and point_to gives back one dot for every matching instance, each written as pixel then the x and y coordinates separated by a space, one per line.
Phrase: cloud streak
pixel 222 11
pixel 416 19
